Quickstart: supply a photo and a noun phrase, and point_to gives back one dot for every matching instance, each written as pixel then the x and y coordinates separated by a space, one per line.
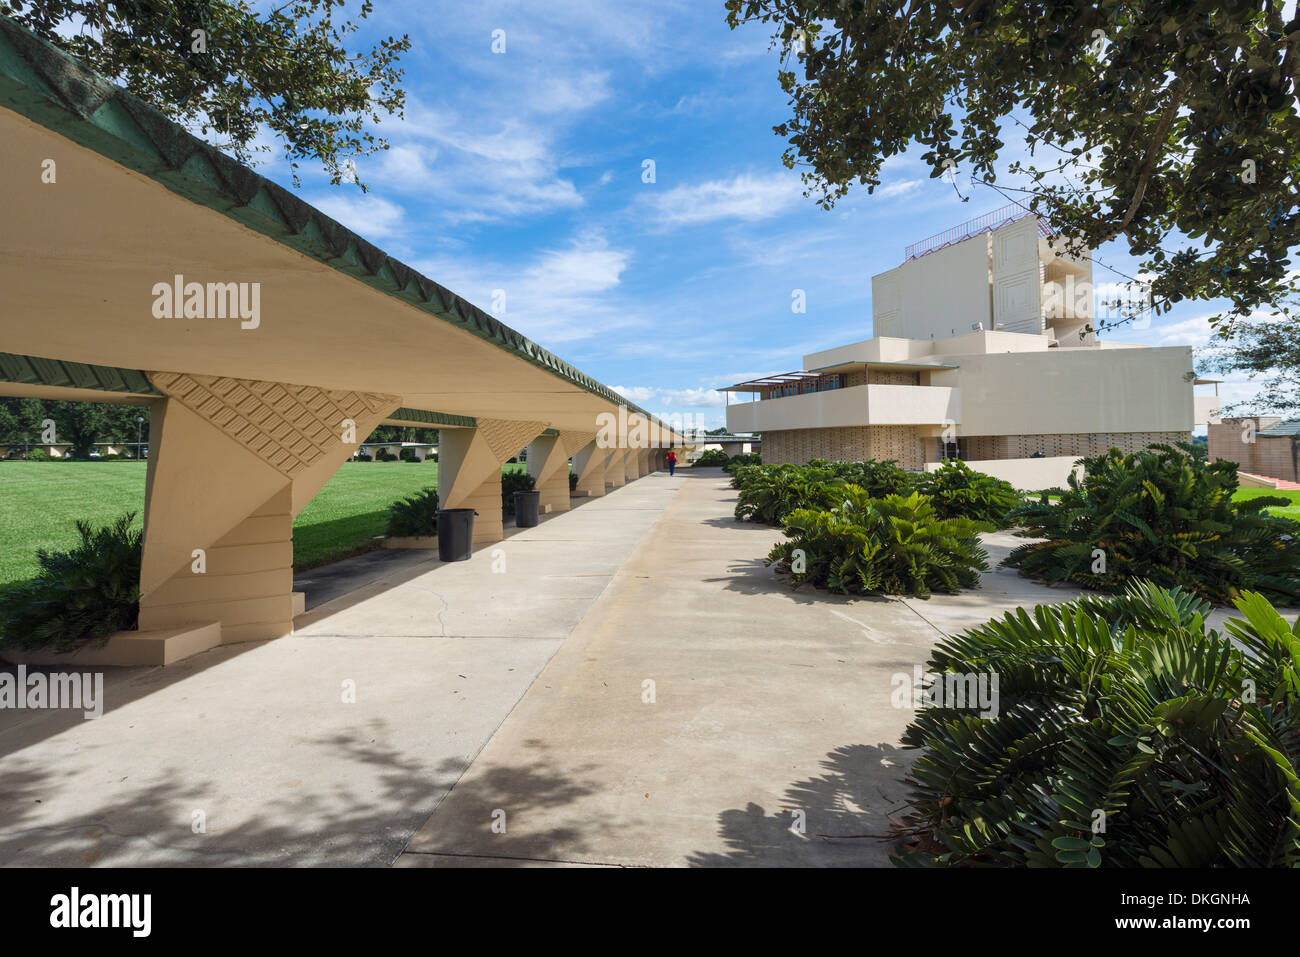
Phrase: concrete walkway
pixel 771 709
pixel 624 685
pixel 256 741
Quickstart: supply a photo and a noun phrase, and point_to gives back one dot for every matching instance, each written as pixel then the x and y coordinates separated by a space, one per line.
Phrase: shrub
pixel 712 457
pixel 85 594
pixel 1165 514
pixel 958 491
pixel 771 492
pixel 39 455
pixel 768 493
pixel 877 478
pixel 573 481
pixel 407 455
pixel 363 456
pixel 383 455
pixel 1125 705
pixel 894 545
pixel 512 482
pixel 744 458
pixel 414 515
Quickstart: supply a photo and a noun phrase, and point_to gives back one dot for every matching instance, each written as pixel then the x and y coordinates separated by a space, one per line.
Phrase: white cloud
pixel 636 393
pixel 676 398
pixel 745 197
pixel 560 295
pixel 897 189
pixel 1188 332
pixel 366 214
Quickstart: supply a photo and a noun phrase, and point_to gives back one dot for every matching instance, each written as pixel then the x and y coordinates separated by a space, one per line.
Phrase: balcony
pixel 855 406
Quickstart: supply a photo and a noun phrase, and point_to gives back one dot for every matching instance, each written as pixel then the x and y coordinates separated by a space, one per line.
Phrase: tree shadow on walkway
pixel 845 815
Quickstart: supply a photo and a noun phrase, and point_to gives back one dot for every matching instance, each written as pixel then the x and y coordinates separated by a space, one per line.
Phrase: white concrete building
pixel 982 352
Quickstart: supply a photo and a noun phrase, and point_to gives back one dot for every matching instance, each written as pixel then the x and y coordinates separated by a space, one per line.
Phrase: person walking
pixel 672 462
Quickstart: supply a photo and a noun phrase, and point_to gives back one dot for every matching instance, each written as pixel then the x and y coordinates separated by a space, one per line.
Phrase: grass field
pixel 39 501
pixel 1291 511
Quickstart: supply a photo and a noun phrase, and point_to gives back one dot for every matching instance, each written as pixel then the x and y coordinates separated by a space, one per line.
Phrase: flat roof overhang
pixel 137 201
pixel 785 378
pixel 896 366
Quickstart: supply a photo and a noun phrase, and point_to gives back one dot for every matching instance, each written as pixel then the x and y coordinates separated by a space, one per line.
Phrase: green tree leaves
pixel 227 71
pixel 1171 125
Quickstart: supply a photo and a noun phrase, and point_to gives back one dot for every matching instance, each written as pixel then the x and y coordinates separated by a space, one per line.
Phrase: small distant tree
pixel 229 71
pixel 1268 351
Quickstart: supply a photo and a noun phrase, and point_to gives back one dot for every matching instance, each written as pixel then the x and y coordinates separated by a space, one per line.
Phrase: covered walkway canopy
pixel 141 265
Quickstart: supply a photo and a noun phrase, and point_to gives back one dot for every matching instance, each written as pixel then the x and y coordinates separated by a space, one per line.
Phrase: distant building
pixel 982 352
pixel 1263 446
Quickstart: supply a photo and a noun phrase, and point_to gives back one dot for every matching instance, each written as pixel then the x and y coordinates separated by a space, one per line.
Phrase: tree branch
pixel 1147 169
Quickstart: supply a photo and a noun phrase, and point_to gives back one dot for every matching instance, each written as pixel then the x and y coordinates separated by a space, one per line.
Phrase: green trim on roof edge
pixel 435 418
pixel 58 92
pixel 33 370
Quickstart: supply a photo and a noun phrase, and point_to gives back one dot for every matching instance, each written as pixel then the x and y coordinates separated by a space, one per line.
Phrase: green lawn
pixel 1291 511
pixel 39 501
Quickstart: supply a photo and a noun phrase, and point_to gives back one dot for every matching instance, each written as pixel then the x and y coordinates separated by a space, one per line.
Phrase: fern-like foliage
pixel 414 515
pixel 81 595
pixel 958 491
pixel 768 493
pixel 1126 734
pixel 512 482
pixel 896 545
pixel 1165 514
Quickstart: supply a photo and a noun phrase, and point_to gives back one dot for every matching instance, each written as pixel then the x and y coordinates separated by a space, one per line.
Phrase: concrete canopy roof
pixel 137 200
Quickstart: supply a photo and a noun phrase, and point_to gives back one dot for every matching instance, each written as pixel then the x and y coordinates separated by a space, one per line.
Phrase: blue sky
pixel 522 171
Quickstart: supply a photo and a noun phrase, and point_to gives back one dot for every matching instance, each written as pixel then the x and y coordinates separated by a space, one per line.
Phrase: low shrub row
pixel 712 457
pixel 717 457
pixel 769 493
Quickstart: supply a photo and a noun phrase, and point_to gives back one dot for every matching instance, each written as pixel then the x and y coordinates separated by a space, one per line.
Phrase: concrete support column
pixel 629 465
pixel 589 466
pixel 231 462
pixel 615 473
pixel 469 469
pixel 643 462
pixel 548 464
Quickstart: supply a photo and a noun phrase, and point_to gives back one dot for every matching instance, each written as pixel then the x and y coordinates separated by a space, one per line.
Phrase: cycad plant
pixel 1165 514
pixel 415 515
pixel 768 493
pixel 1125 734
pixel 772 492
pixel 87 593
pixel 893 545
pixel 958 491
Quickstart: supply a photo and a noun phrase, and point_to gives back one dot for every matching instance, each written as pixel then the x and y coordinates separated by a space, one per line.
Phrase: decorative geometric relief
pixel 288 426
pixel 505 437
pixel 573 441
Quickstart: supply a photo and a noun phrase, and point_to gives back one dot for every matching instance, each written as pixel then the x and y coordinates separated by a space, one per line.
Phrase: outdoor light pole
pixel 139 425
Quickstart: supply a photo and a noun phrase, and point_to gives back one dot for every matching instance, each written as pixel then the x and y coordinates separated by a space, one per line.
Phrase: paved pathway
pixel 257 738
pixel 771 711
pixel 503 712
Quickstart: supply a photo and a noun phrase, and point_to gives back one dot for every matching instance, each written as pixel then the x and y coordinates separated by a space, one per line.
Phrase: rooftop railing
pixel 981 224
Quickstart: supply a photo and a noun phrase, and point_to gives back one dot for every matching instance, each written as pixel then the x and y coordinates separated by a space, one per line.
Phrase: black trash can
pixel 455 533
pixel 527 505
